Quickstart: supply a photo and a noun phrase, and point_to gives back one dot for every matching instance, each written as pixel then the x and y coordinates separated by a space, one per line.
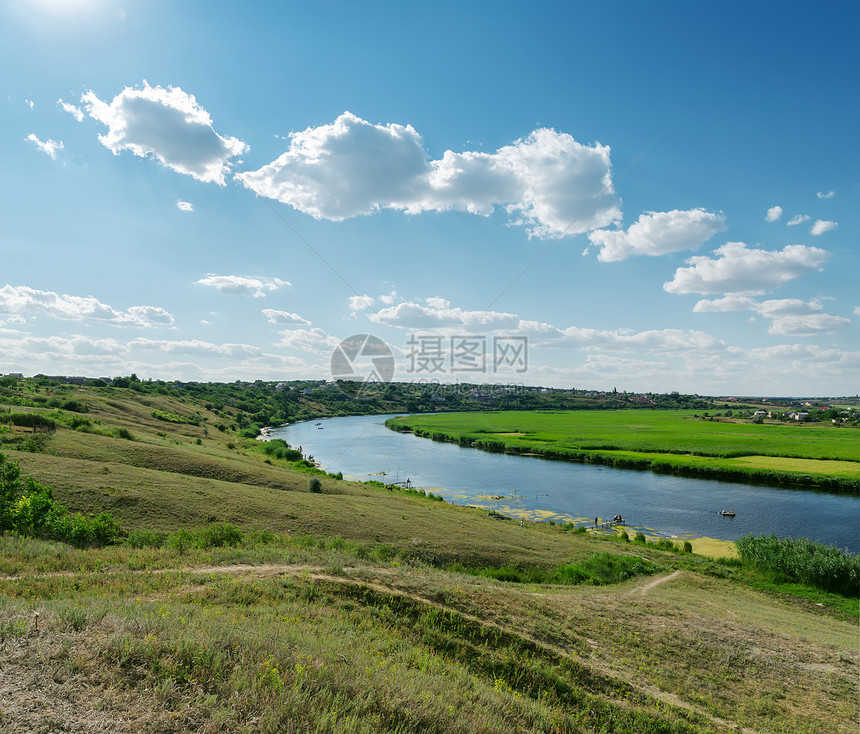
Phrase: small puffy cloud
pixel 26 302
pixel 170 125
pixel 184 206
pixel 658 233
pixel 48 147
pixel 242 285
pixel 727 303
pixel 856 311
pixel 360 303
pixel 788 316
pixel 826 195
pixel 548 181
pixel 75 112
pixel 30 103
pixel 284 317
pixel 797 219
pixel 821 226
pixel 742 271
pixel 773 214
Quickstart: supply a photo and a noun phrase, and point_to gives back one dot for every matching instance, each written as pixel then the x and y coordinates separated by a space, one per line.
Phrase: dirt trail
pixel 646 587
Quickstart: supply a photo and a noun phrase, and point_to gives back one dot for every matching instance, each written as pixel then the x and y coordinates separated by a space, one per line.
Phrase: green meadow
pixel 820 455
pixel 239 599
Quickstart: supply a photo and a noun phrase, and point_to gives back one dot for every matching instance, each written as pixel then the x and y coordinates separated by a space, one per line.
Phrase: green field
pixel 816 454
pixel 368 609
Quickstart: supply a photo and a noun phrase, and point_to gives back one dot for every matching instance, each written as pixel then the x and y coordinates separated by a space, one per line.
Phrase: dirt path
pixel 646 587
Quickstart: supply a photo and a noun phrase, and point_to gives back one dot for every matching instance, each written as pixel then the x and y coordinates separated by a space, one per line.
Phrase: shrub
pixel 624 536
pixel 146 539
pixel 688 547
pixel 640 538
pixel 124 433
pixel 314 485
pixel 217 536
pixel 180 541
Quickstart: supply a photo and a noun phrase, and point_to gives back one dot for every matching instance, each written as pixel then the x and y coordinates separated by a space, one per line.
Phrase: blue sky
pixel 654 196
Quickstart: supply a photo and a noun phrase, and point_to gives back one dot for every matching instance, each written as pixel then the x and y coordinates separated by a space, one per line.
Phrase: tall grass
pixel 802 561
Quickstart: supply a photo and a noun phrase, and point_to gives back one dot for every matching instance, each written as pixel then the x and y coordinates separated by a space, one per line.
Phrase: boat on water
pixel 728 513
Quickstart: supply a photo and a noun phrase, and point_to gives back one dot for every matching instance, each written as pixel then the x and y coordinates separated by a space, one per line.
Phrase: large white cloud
pixel 547 181
pixel 658 233
pixel 170 125
pixel 242 285
pixel 788 316
pixel 28 302
pixel 742 271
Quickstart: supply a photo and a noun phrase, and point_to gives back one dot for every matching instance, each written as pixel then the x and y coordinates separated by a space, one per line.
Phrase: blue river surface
pixel 362 448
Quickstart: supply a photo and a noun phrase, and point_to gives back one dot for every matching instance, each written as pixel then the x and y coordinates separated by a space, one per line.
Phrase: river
pixel 362 448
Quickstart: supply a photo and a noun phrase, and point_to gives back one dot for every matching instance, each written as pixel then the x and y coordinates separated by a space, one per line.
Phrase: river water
pixel 362 448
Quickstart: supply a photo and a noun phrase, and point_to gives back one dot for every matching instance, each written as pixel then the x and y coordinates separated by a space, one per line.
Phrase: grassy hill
pixel 362 609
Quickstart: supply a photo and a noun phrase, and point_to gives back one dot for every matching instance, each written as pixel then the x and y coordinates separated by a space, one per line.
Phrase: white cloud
pixel 797 219
pixel 184 206
pixel 741 271
pixel 856 310
pixel 360 303
pixel 29 302
pixel 242 285
pixel 49 147
pixel 439 314
pixel 727 303
pixel 197 347
pixel 284 317
pixel 315 340
pixel 821 226
pixel 658 233
pixel 788 316
pixel 826 195
pixel 547 181
pixel 169 125
pixel 75 112
pixel 30 103
pixel 807 324
pixel 773 214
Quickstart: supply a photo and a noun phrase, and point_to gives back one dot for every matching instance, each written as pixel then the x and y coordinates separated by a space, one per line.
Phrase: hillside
pixel 364 609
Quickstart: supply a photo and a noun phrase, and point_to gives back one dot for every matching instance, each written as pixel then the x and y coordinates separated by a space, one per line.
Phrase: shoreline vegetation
pixel 232 586
pixel 818 457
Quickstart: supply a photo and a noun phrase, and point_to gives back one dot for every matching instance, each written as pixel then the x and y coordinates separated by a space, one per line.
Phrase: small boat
pixel 728 513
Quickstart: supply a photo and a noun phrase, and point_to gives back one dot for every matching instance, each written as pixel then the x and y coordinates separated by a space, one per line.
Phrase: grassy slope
pixel 364 635
pixel 675 438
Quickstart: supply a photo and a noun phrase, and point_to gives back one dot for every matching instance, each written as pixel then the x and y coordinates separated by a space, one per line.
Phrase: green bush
pixel 146 539
pixel 640 538
pixel 314 485
pixel 217 536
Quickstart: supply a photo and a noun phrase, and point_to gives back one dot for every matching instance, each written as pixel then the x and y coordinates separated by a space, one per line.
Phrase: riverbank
pixel 668 442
